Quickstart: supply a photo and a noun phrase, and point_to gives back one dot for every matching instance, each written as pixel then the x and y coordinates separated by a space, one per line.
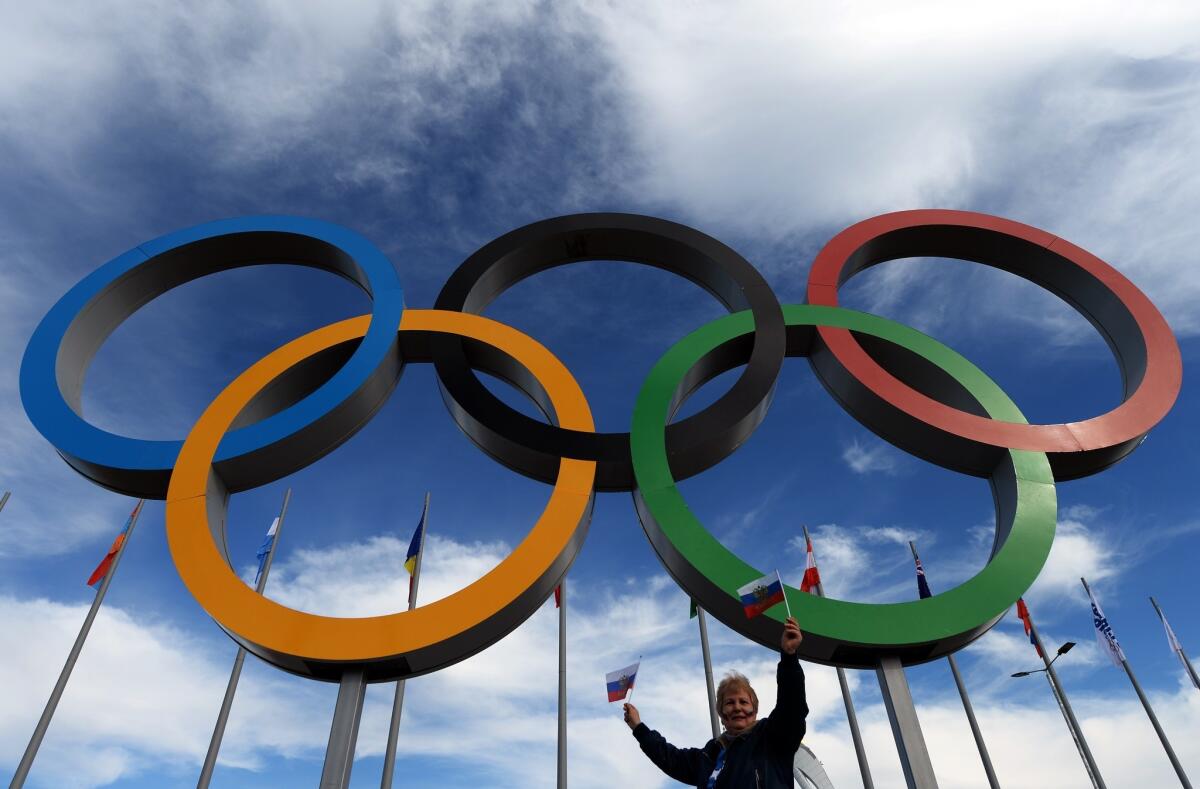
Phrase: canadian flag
pixel 811 577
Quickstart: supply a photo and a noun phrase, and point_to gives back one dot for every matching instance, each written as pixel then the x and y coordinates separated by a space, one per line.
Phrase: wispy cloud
pixel 863 459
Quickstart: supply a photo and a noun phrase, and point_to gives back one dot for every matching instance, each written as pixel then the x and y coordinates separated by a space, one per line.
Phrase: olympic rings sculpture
pixel 304 399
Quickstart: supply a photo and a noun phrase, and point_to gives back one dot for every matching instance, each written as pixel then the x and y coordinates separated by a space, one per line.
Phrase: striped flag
pixel 1023 615
pixel 812 578
pixel 1104 634
pixel 264 550
pixel 922 584
pixel 620 682
pixel 102 569
pixel 761 594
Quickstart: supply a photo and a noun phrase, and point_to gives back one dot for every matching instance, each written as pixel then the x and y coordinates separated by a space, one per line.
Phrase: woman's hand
pixel 631 716
pixel 789 642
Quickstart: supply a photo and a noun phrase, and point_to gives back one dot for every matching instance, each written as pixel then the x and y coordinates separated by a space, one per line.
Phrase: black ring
pixel 533 448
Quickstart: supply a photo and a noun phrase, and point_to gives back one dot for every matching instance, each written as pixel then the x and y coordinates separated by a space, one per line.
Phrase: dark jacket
pixel 760 759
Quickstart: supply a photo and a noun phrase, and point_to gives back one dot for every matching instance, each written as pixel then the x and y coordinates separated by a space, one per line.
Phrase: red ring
pixel 1102 294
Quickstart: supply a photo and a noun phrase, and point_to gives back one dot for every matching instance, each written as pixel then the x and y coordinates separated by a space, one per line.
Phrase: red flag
pixel 811 578
pixel 558 596
pixel 1023 615
pixel 105 563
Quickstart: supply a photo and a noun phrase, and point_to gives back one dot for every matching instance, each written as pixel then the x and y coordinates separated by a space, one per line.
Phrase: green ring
pixel 854 635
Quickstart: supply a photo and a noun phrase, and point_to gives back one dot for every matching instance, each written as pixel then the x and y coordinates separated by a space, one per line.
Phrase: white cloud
pixel 817 116
pixel 864 460
pixel 1077 553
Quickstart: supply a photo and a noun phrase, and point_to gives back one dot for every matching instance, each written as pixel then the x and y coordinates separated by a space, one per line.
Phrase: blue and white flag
pixel 1104 634
pixel 264 550
pixel 1176 647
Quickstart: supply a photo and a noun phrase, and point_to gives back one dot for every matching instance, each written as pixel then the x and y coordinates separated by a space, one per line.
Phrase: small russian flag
pixel 759 595
pixel 620 682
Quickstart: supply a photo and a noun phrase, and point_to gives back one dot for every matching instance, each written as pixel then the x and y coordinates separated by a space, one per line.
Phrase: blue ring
pixel 107 296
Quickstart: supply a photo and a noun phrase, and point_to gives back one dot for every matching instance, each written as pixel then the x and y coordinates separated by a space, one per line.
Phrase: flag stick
pixel 389 755
pixel 851 718
pixel 214 744
pixel 629 696
pixel 966 702
pixel 4 500
pixel 1089 763
pixel 708 674
pixel 43 723
pixel 1162 736
pixel 783 589
pixel 1187 663
pixel 562 684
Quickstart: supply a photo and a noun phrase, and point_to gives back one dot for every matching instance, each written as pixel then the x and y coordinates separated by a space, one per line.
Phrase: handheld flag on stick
pixel 264 550
pixel 1023 615
pixel 761 594
pixel 620 682
pixel 812 578
pixel 102 569
pixel 414 548
pixel 1104 634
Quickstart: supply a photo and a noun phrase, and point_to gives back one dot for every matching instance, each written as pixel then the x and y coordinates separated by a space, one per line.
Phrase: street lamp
pixel 1064 649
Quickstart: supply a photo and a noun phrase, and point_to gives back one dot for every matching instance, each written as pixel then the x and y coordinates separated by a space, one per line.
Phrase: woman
pixel 750 753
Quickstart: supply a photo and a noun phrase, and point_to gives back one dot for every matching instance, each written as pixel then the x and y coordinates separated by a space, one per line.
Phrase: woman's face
pixel 737 711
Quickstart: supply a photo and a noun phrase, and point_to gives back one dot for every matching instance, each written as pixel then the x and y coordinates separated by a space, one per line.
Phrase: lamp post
pixel 1084 754
pixel 1064 649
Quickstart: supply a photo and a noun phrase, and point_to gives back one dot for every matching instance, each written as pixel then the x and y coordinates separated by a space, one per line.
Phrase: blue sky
pixel 433 130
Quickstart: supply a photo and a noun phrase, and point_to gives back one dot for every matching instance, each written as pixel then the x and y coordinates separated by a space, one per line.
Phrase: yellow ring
pixel 400 644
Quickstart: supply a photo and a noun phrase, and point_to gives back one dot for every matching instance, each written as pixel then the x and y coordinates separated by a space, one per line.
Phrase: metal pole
pixel 966 702
pixel 1070 728
pixel 389 755
pixel 855 735
pixel 902 713
pixel 983 751
pixel 214 745
pixel 562 684
pixel 343 732
pixel 1076 730
pixel 4 500
pixel 1187 663
pixel 1162 736
pixel 708 674
pixel 43 723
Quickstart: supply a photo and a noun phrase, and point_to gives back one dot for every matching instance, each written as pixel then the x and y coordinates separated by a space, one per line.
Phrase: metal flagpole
pixel 966 701
pixel 389 755
pixel 562 684
pixel 43 723
pixel 1070 728
pixel 214 745
pixel 708 674
pixel 1162 736
pixel 1176 647
pixel 855 735
pixel 1089 762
